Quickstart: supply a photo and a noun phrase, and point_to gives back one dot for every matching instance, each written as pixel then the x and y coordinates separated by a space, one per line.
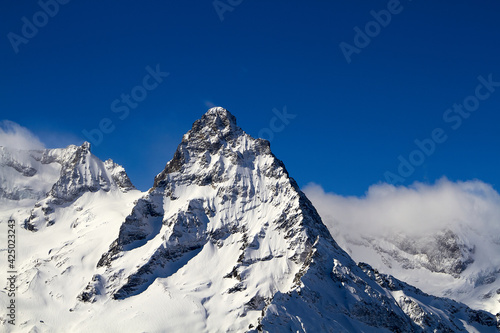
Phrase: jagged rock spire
pixel 208 134
pixel 216 123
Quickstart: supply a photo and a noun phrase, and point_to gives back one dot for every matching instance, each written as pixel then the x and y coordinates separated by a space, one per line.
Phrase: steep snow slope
pixel 224 241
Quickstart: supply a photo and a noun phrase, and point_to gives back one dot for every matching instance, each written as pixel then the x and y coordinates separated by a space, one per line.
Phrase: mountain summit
pixel 217 120
pixel 223 241
pixel 216 128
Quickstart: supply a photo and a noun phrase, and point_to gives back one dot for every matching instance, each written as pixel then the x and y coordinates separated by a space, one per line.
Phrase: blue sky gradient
pixel 355 119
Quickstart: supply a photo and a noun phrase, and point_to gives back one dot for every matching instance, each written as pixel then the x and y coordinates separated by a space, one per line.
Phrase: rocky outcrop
pixel 80 172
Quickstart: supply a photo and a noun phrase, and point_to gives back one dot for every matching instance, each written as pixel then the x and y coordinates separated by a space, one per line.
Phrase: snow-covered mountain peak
pixel 79 172
pixel 219 114
pixel 86 145
pixel 216 124
pixel 213 139
pixel 227 228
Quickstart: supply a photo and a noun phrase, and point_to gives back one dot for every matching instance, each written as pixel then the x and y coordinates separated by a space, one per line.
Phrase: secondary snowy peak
pixel 457 262
pixel 79 172
pixel 118 175
pixel 30 174
pixel 420 307
pixel 442 238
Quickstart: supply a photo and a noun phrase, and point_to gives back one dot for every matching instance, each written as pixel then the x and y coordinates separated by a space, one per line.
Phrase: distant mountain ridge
pixel 450 252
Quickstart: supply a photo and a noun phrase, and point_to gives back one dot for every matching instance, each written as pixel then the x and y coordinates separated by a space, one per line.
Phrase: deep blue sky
pixel 353 120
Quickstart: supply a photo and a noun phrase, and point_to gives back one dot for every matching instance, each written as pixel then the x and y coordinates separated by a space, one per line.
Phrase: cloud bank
pixel 417 210
pixel 13 135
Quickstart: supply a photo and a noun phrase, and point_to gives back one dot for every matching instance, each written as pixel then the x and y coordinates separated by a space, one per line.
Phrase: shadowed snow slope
pixel 223 241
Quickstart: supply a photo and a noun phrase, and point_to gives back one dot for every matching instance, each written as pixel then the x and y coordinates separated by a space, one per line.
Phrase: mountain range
pixel 224 241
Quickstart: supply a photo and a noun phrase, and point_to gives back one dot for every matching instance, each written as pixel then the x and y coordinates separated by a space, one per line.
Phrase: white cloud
pixel 14 135
pixel 415 210
pixel 209 104
pixel 394 229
